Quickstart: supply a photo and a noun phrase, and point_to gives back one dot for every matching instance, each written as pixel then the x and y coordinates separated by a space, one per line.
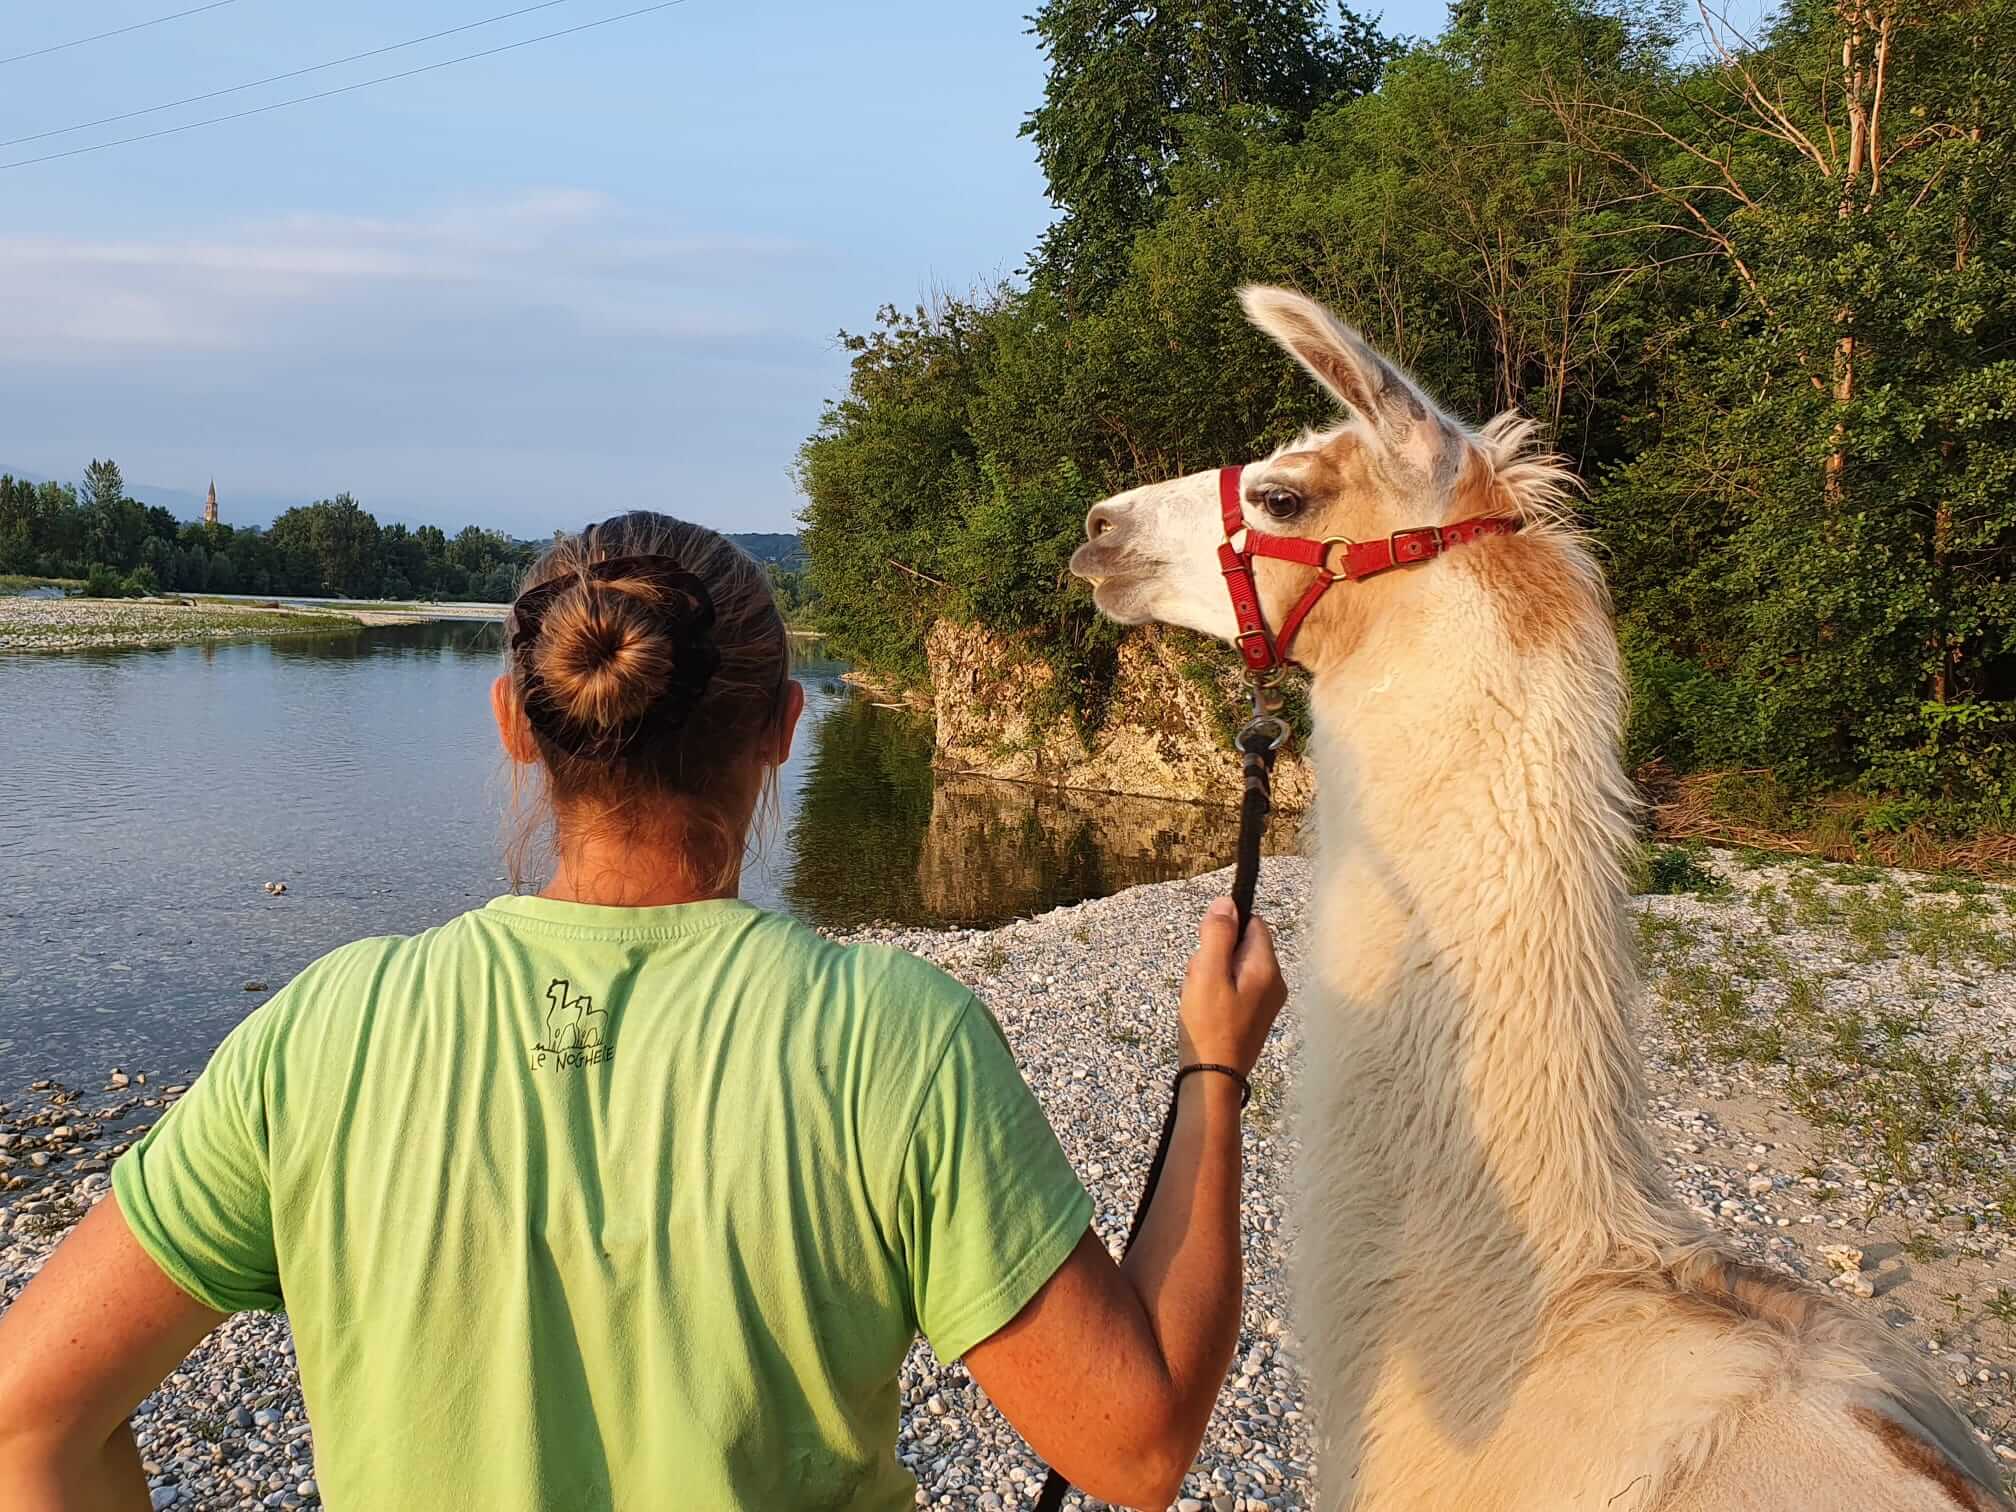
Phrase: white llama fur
pixel 1502 1307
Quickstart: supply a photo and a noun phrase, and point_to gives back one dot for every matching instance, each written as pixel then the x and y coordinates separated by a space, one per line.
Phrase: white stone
pixel 1844 1258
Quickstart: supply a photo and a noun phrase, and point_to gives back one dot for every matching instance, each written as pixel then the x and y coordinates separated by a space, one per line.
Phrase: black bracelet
pixel 1245 1087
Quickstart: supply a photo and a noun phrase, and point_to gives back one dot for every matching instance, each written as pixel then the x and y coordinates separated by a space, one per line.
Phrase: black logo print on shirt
pixel 577 1032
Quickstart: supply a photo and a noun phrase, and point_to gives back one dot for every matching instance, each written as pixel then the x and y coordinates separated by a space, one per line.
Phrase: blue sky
pixel 597 273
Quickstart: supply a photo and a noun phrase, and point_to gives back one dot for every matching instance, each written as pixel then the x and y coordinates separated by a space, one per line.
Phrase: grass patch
pixel 1924 1106
pixel 1709 1008
pixel 992 958
pixel 1924 1248
pixel 1752 958
pixel 1962 932
pixel 1665 940
pixel 1812 905
pixel 1874 919
pixel 1777 912
pixel 2002 1307
pixel 1670 870
pixel 14 582
pixel 1966 887
pixel 1956 934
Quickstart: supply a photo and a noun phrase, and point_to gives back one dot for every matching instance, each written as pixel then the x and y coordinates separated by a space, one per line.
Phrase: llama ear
pixel 1338 358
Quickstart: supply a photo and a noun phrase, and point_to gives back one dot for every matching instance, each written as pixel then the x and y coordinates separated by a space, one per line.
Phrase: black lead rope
pixel 1258 743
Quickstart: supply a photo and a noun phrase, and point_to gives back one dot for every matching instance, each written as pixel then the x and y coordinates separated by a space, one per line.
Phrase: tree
pixel 1764 294
pixel 1125 78
pixel 888 469
pixel 1818 528
pixel 104 486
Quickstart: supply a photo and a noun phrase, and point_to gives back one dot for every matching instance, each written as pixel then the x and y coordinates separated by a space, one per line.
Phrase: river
pixel 147 797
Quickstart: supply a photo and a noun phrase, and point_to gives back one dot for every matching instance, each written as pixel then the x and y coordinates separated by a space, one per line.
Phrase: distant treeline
pixel 334 548
pixel 1761 290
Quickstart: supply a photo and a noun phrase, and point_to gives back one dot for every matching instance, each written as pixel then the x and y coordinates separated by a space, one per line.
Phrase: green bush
pixel 1667 870
pixel 103 582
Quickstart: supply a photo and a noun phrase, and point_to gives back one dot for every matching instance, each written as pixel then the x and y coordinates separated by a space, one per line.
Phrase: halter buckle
pixel 1425 544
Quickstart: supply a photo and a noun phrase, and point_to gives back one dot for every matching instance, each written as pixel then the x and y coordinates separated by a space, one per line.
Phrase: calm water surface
pixel 146 797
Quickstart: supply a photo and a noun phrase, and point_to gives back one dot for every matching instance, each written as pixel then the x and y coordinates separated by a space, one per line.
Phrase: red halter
pixel 1361 559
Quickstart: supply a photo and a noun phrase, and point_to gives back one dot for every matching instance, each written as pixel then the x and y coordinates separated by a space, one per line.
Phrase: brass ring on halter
pixel 1328 541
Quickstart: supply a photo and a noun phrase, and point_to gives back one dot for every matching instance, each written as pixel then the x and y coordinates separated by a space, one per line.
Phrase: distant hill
pixel 784 549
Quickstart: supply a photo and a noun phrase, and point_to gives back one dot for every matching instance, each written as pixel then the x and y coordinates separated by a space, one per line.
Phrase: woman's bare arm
pixel 1110 1371
pixel 98 1329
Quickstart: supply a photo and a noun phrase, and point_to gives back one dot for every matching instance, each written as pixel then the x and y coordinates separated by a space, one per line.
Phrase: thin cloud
pixel 514 361
pixel 265 283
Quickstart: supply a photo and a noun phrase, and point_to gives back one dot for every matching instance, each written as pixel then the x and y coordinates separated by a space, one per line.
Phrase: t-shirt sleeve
pixel 195 1190
pixel 989 1207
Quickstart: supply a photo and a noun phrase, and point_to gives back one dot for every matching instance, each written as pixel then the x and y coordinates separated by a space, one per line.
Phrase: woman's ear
pixel 514 732
pixel 794 707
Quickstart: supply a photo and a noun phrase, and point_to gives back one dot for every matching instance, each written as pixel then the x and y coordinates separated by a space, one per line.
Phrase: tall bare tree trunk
pixel 1855 98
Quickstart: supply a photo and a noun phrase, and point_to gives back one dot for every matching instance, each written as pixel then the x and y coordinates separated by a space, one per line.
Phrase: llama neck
pixel 1471 821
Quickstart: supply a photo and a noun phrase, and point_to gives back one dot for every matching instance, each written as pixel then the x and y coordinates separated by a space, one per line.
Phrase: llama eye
pixel 1282 503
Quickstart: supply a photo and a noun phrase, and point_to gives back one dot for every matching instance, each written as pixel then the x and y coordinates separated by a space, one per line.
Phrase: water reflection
pixel 877 838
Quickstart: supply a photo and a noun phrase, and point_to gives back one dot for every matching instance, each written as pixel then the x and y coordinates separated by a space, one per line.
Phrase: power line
pixel 239 115
pixel 117 31
pixel 278 78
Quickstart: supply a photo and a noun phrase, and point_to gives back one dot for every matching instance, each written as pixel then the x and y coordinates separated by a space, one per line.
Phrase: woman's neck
pixel 618 876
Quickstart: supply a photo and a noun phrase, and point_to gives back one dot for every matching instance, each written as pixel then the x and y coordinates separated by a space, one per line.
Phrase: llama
pixel 1502 1308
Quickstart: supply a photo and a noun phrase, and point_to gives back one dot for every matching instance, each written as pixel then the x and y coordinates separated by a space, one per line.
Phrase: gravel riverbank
pixel 1797 1017
pixel 77 624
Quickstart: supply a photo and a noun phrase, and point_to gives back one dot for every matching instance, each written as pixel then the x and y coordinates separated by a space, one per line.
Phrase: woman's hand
pixel 1111 1372
pixel 1232 994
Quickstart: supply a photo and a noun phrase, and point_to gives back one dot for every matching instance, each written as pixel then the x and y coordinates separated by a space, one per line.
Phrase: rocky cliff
pixel 1163 735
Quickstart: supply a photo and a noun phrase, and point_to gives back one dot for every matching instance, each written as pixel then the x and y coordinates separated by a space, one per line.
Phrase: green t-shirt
pixel 579 1207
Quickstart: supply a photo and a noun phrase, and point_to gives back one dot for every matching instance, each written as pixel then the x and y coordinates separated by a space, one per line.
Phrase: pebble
pixel 1092 1032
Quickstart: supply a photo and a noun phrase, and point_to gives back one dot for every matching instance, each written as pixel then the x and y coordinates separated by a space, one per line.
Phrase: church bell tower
pixel 210 505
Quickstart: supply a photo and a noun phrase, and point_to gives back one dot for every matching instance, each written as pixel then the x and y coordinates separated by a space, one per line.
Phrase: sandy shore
pixel 1798 1021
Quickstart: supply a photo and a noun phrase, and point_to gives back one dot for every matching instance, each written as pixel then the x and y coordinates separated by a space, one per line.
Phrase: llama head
pixel 1393 463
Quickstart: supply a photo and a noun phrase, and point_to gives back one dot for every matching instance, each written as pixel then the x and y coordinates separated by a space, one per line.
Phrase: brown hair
pixel 649 659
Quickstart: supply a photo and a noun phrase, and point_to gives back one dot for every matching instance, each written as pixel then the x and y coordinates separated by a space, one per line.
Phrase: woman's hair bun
pixel 620 640
pixel 605 655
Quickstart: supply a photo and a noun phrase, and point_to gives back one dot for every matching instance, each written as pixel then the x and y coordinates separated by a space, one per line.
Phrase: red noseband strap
pixel 1333 558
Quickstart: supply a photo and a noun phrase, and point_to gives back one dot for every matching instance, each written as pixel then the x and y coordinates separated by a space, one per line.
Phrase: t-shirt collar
pixel 666 921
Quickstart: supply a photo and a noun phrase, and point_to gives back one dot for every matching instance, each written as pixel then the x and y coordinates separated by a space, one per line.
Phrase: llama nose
pixel 1103 519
